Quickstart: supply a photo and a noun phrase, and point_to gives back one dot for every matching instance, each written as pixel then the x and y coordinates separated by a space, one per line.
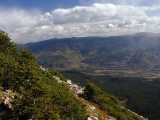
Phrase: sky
pixel 36 20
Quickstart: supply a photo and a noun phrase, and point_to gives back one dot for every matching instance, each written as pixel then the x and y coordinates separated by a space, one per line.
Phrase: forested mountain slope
pixel 29 91
pixel 138 51
pixel 35 93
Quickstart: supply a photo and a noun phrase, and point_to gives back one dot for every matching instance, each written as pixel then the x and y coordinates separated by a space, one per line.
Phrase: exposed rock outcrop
pixel 7 97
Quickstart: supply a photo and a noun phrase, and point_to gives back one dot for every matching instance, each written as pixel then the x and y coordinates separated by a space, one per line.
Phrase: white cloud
pixel 83 14
pixel 94 20
pixel 110 26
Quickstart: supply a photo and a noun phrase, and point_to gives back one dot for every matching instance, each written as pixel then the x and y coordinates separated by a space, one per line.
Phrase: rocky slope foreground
pixel 138 51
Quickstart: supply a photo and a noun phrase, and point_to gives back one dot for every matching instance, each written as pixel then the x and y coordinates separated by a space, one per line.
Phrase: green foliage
pixel 38 95
pixel 108 103
pixel 138 94
pixel 6 46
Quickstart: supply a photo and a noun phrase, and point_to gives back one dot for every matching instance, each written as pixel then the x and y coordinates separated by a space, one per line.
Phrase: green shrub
pixel 108 103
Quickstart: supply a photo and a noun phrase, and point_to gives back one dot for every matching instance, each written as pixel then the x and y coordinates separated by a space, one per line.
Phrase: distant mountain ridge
pixel 138 51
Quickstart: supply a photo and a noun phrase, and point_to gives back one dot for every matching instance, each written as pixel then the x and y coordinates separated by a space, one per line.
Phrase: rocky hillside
pixel 29 91
pixel 96 106
pixel 140 51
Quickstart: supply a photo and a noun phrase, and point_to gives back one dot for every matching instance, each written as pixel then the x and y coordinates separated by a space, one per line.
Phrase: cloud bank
pixel 98 19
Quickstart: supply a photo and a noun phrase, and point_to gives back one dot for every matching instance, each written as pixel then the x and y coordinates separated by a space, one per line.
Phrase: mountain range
pixel 137 51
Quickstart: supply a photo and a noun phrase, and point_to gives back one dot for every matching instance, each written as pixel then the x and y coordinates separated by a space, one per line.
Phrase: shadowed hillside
pixel 140 51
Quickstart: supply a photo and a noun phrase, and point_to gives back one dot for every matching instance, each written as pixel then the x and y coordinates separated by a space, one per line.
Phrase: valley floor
pixel 148 74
